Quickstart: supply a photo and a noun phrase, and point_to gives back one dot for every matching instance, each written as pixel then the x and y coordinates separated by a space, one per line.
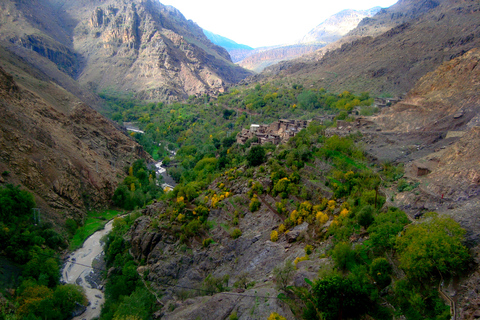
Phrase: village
pixel 284 129
pixel 276 132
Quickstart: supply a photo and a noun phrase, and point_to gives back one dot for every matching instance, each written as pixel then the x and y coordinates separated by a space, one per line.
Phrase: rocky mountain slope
pixel 445 103
pixel 391 51
pixel 133 47
pixel 252 257
pixel 326 32
pixel 64 152
pixel 434 131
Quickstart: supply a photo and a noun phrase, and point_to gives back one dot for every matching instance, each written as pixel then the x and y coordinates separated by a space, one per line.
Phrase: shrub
pixel 206 242
pixel 236 233
pixel 380 271
pixel 254 204
pixel 284 274
pixel 365 216
pixel 343 255
pixel 276 316
pixel 308 249
pixel 274 236
pixel 299 259
pixel 334 293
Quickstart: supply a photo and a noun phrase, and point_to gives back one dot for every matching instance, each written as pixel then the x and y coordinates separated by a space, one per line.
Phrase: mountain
pixel 237 51
pixel 328 31
pixel 389 52
pixel 53 144
pixel 337 25
pixel 136 47
pixel 261 58
pixel 56 55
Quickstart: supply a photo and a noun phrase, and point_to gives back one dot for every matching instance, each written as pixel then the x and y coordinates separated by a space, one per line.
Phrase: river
pixel 78 270
pixel 85 265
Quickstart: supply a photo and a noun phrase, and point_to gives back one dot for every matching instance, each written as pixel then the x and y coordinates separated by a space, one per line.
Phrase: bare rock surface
pixel 179 272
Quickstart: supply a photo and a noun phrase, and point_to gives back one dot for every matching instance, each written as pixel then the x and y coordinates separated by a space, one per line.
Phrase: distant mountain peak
pixel 337 25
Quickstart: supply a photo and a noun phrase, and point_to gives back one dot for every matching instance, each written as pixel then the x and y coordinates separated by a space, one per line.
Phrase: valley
pixel 295 193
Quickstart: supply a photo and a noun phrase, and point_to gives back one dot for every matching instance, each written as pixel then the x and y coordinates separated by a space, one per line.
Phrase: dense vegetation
pixel 33 245
pixel 139 187
pixel 126 295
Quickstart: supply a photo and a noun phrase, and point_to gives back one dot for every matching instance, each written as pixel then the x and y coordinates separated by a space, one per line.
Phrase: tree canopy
pixel 337 297
pixel 256 156
pixel 432 246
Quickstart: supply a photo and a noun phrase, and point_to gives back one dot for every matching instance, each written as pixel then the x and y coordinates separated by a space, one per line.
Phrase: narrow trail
pixel 448 300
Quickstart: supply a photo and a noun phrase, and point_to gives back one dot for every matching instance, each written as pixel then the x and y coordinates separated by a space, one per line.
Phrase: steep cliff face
pixel 138 47
pixel 54 145
pixel 389 55
pixel 147 49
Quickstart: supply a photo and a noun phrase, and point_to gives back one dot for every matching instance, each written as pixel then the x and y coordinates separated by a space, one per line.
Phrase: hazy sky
pixel 265 22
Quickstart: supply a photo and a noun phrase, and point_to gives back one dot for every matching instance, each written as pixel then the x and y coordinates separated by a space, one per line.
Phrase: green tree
pixel 138 305
pixel 386 226
pixel 380 271
pixel 432 247
pixel 343 255
pixel 15 204
pixel 335 297
pixel 256 156
pixel 67 297
pixel 365 216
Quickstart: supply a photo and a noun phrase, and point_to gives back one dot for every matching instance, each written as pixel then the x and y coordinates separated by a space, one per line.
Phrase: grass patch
pixel 94 222
pixel 343 160
pixel 225 226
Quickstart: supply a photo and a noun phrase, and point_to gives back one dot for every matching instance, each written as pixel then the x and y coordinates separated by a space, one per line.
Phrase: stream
pixel 78 270
pixel 84 266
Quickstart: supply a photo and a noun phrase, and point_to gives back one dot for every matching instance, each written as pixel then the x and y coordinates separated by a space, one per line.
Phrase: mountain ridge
pixel 168 55
pixel 414 43
pixel 326 32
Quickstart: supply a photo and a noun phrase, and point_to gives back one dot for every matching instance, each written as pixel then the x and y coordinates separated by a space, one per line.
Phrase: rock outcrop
pixel 445 101
pixel 179 271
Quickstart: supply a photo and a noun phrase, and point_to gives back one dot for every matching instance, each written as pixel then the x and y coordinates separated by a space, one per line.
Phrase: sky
pixel 259 23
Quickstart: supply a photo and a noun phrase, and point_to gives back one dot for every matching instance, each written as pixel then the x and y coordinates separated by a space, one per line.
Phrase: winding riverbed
pixel 84 267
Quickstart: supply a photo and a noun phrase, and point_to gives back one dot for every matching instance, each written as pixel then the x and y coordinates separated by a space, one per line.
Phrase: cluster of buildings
pixel 276 132
pixel 386 102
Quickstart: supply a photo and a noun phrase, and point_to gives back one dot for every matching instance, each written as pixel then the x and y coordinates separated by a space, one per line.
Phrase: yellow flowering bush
pixel 274 236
